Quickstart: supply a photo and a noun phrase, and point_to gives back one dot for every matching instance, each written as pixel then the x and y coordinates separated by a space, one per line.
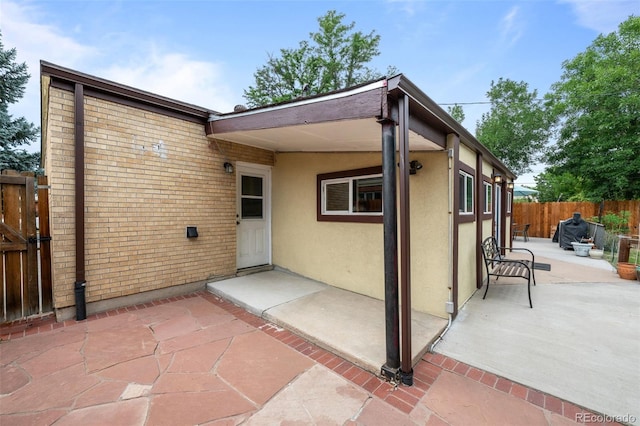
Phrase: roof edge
pixel 402 83
pixel 321 97
pixel 123 91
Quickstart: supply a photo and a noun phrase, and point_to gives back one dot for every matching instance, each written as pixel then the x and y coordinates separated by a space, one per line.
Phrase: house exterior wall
pixel 467 156
pixel 467 249
pixel 350 255
pixel 147 177
pixel 467 239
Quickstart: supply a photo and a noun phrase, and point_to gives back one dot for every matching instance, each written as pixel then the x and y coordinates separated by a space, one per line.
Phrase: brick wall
pixel 148 177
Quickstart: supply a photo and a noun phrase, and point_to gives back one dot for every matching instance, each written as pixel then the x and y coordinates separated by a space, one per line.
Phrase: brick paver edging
pixel 404 398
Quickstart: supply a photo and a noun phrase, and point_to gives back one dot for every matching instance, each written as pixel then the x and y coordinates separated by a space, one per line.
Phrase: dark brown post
pixel 406 373
pixel 81 308
pixel 390 229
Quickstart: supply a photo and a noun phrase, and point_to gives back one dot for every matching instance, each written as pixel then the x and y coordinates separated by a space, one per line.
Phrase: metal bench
pixel 498 266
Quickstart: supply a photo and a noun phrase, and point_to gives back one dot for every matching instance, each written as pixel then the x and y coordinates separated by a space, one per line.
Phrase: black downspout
pixel 80 284
pixel 406 370
pixel 390 225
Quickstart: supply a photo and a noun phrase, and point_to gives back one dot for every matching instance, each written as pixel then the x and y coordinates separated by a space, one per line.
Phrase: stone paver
pixel 318 396
pixel 197 359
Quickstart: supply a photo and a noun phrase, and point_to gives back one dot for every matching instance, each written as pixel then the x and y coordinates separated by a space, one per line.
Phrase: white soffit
pixel 337 136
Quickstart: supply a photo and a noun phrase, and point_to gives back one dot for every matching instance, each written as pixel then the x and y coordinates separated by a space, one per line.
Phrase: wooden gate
pixel 25 265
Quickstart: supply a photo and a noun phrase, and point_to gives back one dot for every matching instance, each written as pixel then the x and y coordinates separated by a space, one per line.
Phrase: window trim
pixel 347 175
pixel 462 210
pixel 487 185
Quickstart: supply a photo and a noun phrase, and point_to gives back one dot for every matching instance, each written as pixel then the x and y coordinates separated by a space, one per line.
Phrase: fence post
pixel 625 248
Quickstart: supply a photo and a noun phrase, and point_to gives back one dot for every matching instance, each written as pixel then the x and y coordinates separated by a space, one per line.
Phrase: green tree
pixel 456 112
pixel 517 127
pixel 553 186
pixel 597 107
pixel 334 58
pixel 14 133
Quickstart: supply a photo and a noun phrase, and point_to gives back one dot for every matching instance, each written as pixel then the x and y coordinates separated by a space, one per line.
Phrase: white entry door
pixel 253 215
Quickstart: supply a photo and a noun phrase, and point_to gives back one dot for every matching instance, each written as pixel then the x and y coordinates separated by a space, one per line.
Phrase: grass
pixel 634 256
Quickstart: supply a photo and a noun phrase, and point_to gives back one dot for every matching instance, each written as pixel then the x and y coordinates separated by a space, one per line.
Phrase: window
pixel 466 193
pixel 351 196
pixel 356 195
pixel 251 197
pixel 509 200
pixel 488 197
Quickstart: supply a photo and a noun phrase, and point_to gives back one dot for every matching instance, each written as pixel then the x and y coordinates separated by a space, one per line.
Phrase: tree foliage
pixel 14 133
pixel 597 106
pixel 517 127
pixel 456 112
pixel 334 58
pixel 559 187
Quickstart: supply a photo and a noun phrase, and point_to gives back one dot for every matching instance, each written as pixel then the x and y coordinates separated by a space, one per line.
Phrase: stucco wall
pixel 148 177
pixel 467 249
pixel 467 239
pixel 350 255
pixel 467 156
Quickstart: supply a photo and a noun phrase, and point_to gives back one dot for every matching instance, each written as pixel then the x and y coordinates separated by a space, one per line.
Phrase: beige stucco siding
pixel 431 234
pixel 350 255
pixel 487 168
pixel 467 156
pixel 147 177
pixel 467 249
pixel 467 239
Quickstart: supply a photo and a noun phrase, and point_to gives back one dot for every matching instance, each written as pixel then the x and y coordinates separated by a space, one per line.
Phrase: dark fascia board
pixel 305 99
pixel 113 90
pixel 400 83
pixel 362 101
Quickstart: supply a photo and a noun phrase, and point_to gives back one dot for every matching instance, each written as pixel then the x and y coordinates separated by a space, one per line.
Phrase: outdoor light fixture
pixel 510 185
pixel 497 178
pixel 228 167
pixel 414 166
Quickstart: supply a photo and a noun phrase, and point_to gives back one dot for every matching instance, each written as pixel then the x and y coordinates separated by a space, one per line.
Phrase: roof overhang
pixel 342 121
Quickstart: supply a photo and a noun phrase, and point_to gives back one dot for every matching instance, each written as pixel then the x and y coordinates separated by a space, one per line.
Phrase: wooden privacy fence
pixel 543 217
pixel 25 266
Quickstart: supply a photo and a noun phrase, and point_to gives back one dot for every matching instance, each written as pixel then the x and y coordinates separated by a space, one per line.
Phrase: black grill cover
pixel 571 230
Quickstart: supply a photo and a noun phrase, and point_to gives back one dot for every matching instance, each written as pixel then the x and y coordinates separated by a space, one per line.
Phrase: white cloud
pixel 603 16
pixel 34 41
pixel 176 76
pixel 138 63
pixel 410 7
pixel 511 27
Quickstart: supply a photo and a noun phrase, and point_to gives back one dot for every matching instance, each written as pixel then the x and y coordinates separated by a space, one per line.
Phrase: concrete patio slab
pixel 580 342
pixel 248 291
pixel 348 324
pixel 351 325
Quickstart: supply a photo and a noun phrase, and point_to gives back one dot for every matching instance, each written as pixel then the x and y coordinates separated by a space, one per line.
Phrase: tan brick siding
pixel 148 177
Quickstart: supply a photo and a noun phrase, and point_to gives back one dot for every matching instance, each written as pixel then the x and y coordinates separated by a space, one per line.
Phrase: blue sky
pixel 206 52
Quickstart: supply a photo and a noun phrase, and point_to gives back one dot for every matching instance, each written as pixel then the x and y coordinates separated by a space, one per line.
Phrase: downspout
pixel 406 369
pixel 453 141
pixel 390 229
pixel 80 284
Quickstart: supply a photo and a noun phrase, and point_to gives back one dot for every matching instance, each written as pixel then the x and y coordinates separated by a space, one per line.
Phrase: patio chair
pixel 524 231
